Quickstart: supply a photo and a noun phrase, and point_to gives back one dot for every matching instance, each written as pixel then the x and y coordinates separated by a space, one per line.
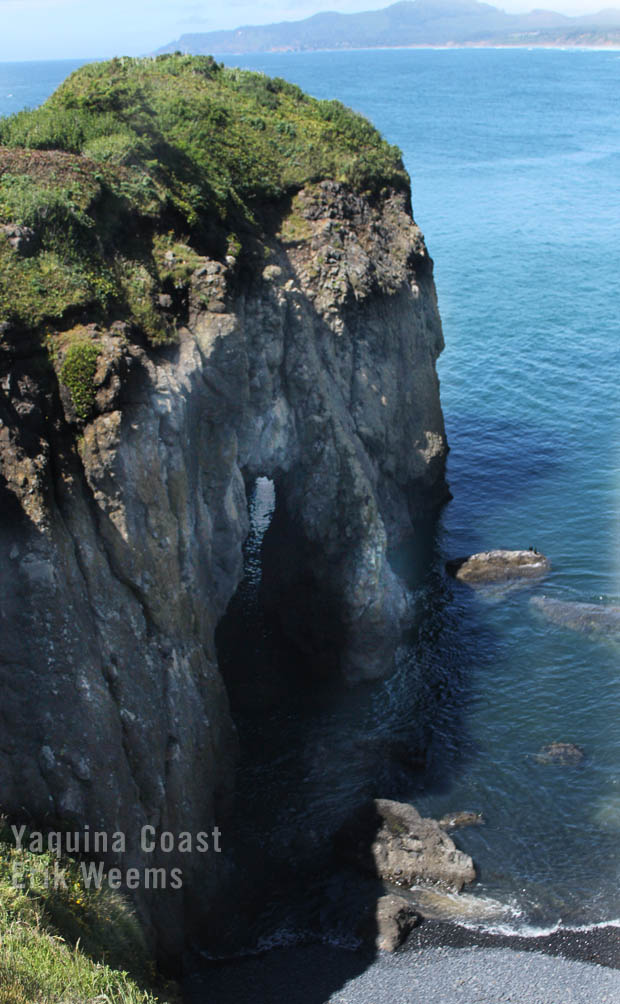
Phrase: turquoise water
pixel 515 160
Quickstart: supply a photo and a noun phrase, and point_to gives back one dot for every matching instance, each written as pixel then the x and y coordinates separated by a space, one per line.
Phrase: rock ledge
pixel 394 842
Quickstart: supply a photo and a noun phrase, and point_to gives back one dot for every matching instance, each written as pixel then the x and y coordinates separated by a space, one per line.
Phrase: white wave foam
pixel 531 931
pixel 464 909
pixel 491 916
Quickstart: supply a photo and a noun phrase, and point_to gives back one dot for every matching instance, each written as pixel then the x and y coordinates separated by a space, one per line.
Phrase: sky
pixel 81 29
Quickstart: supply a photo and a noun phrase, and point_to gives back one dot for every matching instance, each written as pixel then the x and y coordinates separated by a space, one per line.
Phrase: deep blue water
pixel 515 161
pixel 26 85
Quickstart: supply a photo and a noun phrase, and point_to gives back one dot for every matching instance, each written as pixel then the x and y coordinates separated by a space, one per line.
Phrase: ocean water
pixel 26 85
pixel 515 158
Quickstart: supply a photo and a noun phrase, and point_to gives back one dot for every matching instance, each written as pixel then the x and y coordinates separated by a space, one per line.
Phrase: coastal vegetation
pixel 78 373
pixel 63 942
pixel 132 154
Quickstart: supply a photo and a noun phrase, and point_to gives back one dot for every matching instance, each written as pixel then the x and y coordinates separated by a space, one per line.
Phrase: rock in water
pixel 394 842
pixel 561 753
pixel 393 921
pixel 453 821
pixel 589 618
pixel 498 566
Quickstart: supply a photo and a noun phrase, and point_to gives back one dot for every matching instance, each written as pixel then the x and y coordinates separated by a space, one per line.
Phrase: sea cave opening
pixel 312 750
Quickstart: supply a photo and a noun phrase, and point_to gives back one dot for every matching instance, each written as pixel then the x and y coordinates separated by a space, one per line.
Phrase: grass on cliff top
pixel 131 148
pixel 212 136
pixel 67 946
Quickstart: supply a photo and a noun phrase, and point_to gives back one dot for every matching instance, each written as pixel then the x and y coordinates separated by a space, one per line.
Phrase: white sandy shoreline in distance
pixel 423 48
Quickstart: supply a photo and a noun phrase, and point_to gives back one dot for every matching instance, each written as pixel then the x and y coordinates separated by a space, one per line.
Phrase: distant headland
pixel 412 23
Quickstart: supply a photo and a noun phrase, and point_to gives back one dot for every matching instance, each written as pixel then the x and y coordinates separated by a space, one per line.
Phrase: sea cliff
pixel 206 277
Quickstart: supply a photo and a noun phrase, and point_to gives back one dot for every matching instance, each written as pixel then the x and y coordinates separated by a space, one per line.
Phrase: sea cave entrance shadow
pixel 311 743
pixel 312 753
pixel 287 883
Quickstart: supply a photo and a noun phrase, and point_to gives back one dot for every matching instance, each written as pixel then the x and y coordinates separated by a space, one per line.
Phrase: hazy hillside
pixel 445 22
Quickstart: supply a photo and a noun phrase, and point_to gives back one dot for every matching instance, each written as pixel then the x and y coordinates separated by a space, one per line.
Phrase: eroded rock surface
pixel 21 239
pixel 455 820
pixel 394 919
pixel 121 536
pixel 394 842
pixel 498 566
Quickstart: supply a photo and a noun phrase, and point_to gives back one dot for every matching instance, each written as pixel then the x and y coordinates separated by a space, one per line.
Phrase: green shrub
pixel 78 374
pixel 127 150
pixel 117 148
pixel 196 123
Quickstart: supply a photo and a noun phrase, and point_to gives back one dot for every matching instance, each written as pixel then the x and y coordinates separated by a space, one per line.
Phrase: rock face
pixel 121 546
pixel 394 919
pixel 21 239
pixel 498 566
pixel 394 842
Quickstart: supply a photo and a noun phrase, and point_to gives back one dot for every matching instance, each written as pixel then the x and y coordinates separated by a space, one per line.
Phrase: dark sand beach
pixel 441 962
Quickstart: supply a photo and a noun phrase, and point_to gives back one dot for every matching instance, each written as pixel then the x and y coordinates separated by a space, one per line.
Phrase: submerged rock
pixel 453 821
pixel 562 753
pixel 463 907
pixel 589 618
pixel 394 842
pixel 498 566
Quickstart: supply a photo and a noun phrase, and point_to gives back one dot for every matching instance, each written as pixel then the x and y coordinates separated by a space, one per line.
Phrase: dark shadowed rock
pixel 453 821
pixel 498 566
pixel 561 753
pixel 22 239
pixel 118 559
pixel 393 841
pixel 393 920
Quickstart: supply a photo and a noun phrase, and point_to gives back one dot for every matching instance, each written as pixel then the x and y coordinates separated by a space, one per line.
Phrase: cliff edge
pixel 206 277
